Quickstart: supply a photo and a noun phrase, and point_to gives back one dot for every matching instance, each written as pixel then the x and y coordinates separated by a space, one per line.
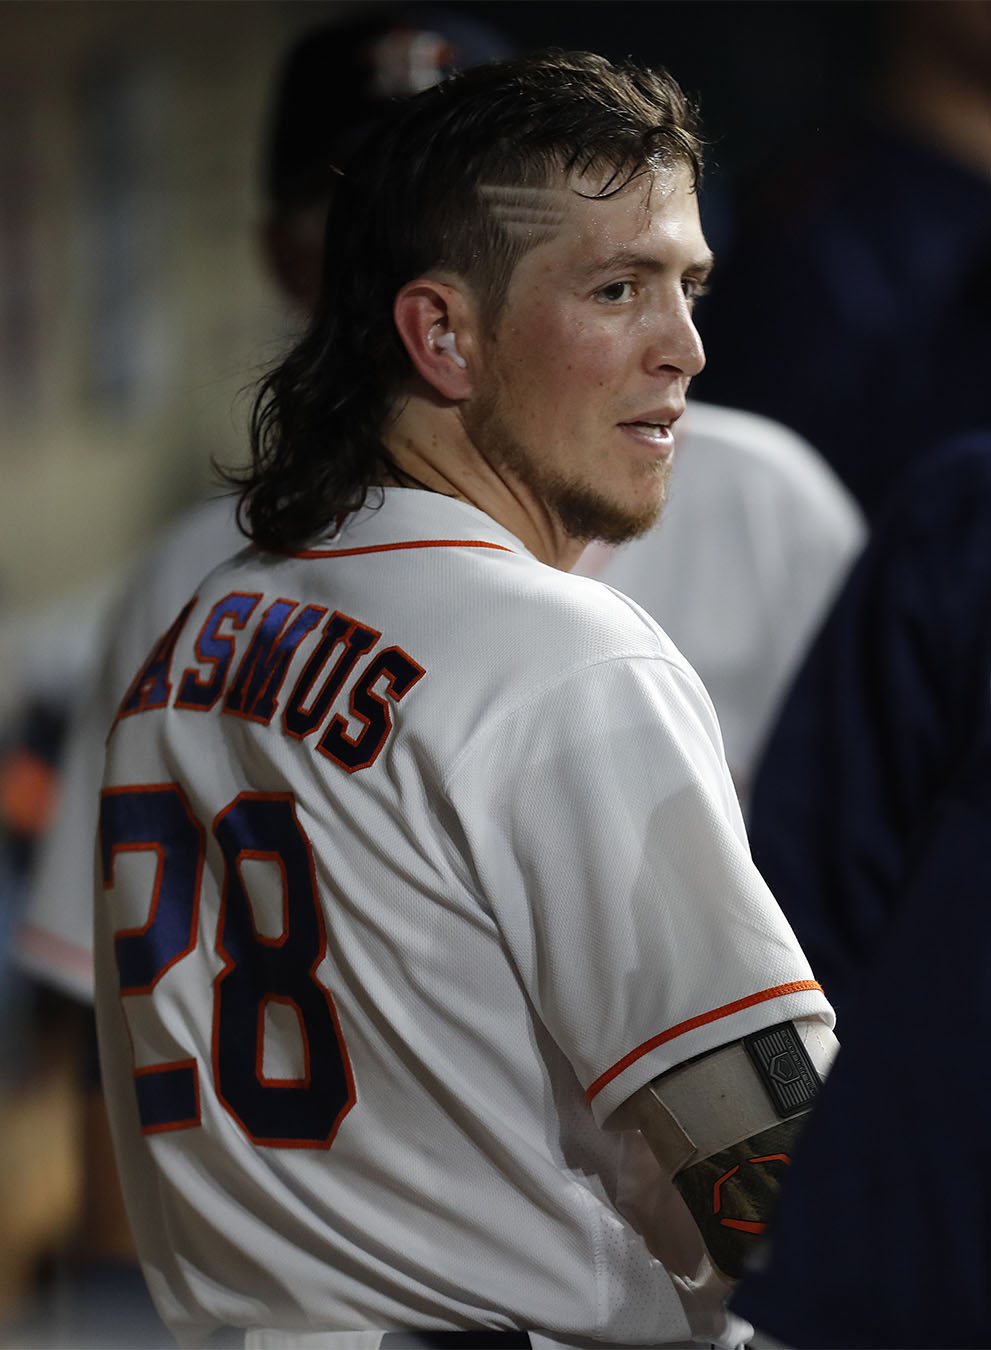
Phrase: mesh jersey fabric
pixel 749 552
pixel 536 896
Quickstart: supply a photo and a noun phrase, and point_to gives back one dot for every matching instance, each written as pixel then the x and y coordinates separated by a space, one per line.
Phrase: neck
pixel 427 440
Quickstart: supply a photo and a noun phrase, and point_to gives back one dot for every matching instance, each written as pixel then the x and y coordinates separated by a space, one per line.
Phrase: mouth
pixel 653 429
pixel 656 431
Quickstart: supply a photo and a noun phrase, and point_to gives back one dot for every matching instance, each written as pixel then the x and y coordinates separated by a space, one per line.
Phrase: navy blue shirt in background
pixel 871 821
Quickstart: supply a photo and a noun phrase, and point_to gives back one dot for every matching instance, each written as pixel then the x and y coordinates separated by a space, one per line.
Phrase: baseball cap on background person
pixel 334 82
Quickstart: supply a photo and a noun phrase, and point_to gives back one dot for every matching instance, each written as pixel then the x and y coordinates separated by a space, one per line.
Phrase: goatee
pixel 584 512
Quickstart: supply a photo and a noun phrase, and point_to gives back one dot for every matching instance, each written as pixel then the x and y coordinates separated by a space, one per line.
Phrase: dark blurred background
pixel 766 72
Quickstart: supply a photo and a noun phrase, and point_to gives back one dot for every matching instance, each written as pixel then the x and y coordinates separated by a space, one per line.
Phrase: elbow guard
pixel 723 1128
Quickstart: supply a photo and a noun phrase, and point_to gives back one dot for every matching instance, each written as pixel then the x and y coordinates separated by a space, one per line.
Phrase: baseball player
pixel 435 986
pixel 757 537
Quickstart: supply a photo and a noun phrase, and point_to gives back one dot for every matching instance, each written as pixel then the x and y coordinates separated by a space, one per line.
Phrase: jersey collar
pixel 397 517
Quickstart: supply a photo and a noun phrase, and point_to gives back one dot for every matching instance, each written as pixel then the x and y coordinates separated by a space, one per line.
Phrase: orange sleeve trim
pixel 408 543
pixel 779 990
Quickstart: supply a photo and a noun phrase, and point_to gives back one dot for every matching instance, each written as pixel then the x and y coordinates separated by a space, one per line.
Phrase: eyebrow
pixel 643 262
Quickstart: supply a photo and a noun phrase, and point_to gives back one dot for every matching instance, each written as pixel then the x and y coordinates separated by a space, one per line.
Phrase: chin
pixel 586 514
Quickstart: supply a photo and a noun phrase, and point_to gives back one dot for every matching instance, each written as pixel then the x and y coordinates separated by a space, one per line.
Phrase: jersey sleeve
pixel 605 836
pixel 54 938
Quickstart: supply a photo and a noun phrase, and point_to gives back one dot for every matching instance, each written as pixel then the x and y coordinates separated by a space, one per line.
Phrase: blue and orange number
pixel 304 1111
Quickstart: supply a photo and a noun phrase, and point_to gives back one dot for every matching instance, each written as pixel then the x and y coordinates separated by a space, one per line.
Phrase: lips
pixel 653 428
pixel 655 418
pixel 657 430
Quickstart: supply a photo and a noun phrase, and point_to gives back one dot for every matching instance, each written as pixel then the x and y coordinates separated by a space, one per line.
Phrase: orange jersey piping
pixel 408 543
pixel 725 1011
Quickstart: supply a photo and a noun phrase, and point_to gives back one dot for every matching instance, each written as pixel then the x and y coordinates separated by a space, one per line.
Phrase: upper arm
pixel 723 1127
pixel 603 832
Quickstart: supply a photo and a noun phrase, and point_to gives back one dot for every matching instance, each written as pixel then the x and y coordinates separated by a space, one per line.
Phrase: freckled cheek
pixel 544 369
pixel 593 369
pixel 558 364
pixel 586 356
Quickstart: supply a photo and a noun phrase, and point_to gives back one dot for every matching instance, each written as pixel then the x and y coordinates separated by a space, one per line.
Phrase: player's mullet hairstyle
pixel 410 202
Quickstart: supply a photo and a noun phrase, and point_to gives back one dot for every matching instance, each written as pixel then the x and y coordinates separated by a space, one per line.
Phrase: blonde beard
pixel 582 510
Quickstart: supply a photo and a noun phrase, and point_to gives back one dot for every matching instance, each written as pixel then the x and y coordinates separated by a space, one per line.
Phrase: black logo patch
pixel 788 1075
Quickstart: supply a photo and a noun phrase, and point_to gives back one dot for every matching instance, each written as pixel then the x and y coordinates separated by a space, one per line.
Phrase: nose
pixel 675 343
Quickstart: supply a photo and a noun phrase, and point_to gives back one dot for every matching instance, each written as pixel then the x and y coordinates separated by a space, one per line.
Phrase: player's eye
pixel 694 288
pixel 615 293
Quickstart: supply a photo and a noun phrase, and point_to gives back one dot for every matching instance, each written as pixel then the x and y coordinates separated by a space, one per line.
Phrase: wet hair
pixel 409 202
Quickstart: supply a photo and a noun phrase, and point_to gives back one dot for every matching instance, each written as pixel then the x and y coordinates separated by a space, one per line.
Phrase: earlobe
pixel 430 317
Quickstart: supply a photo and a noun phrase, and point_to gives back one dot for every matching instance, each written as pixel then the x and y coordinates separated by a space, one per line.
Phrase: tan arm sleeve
pixel 723 1128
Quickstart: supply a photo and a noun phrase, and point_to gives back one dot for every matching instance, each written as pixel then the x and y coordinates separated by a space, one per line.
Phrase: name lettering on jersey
pixel 357 752
pixel 215 650
pixel 333 684
pixel 355 640
pixel 151 687
pixel 261 674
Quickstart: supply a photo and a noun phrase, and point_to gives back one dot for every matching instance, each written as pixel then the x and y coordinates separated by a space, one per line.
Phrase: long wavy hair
pixel 408 202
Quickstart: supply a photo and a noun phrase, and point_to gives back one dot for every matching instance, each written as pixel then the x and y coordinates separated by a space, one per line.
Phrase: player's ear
pixel 435 323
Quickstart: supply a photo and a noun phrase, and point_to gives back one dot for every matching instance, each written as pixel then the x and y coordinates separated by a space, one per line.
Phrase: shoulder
pixel 171 568
pixel 162 581
pixel 571 651
pixel 756 455
pixel 957 469
pixel 191 546
pixel 582 618
pixel 934 520
pixel 750 433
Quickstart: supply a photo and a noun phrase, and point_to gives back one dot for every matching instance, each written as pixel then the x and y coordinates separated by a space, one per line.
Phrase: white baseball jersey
pixel 757 537
pixel 416 858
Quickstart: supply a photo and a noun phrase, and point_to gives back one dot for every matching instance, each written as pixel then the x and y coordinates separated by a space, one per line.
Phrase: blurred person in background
pixel 870 822
pixel 881 1238
pixel 893 697
pixel 855 303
